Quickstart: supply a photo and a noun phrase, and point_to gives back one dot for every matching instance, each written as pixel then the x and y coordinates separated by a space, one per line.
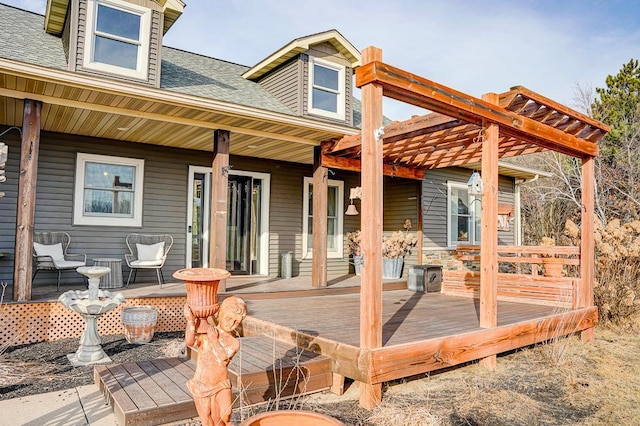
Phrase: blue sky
pixel 549 46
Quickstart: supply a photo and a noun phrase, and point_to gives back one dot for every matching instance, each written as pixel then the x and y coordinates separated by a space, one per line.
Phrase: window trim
pixel 340 113
pixel 79 218
pixel 475 213
pixel 338 253
pixel 141 71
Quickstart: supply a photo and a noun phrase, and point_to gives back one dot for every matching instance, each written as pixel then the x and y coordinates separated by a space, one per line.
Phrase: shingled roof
pixel 182 72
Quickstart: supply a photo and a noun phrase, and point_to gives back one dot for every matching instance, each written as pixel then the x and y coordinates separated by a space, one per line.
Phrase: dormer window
pixel 117 38
pixel 326 88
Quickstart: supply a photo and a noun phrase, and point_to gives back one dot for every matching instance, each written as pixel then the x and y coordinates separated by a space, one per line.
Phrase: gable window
pixel 326 88
pixel 108 191
pixel 334 218
pixel 464 212
pixel 117 38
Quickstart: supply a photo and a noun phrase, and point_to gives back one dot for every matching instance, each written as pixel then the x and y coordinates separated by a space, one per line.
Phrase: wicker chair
pixel 147 252
pixel 50 253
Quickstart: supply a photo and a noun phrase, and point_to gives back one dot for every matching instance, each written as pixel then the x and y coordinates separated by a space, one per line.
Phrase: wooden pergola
pixel 460 130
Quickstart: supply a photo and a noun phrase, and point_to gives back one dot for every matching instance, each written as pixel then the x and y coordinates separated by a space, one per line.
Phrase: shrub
pixel 617 273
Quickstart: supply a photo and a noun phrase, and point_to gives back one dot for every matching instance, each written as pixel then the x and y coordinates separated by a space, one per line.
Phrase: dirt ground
pixel 560 383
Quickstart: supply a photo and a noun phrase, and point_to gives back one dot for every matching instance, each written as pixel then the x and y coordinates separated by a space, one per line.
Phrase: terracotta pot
pixel 139 323
pixel 291 418
pixel 553 266
pixel 202 289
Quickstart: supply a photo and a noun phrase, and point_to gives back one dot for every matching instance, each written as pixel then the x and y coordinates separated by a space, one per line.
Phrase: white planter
pixel 139 323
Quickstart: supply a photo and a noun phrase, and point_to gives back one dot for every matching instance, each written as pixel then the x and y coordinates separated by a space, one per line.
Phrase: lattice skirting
pixel 23 323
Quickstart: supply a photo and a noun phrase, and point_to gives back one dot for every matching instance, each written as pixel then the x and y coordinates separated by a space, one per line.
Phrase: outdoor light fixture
pixel 475 184
pixel 353 194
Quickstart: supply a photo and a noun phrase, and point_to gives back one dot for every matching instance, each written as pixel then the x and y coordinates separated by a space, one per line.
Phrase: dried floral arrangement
pixel 399 244
pixel 353 243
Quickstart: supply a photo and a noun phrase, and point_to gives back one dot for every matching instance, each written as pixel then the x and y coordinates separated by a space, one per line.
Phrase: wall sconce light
pixel 353 194
pixel 474 184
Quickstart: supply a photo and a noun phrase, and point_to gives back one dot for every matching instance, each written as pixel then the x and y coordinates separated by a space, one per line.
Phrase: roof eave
pixel 300 45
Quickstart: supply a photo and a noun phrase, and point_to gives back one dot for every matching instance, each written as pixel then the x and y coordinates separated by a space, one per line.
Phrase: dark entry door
pixel 239 210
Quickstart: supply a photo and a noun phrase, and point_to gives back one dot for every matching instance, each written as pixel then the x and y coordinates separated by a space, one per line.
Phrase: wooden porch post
pixel 319 235
pixel 219 189
pixel 371 283
pixel 584 297
pixel 489 236
pixel 26 214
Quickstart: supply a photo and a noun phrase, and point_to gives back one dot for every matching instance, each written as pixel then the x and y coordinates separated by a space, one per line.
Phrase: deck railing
pixel 522 275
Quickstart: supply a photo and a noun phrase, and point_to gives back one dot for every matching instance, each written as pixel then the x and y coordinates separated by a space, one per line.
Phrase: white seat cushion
pixel 146 263
pixel 68 264
pixel 53 250
pixel 153 252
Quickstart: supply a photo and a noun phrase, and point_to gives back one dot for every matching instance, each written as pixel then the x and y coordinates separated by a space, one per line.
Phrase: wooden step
pixel 155 392
pixel 266 369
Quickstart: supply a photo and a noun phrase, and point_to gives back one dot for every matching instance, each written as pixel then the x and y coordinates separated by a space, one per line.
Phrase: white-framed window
pixel 335 203
pixel 463 215
pixel 108 191
pixel 117 38
pixel 326 88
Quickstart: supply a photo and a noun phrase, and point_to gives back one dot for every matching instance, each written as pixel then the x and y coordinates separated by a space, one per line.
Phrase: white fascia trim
pixel 301 45
pixel 88 82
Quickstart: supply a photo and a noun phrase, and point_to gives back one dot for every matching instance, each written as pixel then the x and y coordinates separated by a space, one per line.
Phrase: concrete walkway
pixel 84 405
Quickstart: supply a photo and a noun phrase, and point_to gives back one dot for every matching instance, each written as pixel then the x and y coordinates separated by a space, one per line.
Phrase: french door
pixel 247 221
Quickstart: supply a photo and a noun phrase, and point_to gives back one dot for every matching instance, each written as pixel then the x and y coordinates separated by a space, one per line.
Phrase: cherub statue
pixel 210 386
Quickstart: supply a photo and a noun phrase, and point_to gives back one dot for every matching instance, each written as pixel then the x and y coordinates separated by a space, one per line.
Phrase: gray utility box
pixel 425 278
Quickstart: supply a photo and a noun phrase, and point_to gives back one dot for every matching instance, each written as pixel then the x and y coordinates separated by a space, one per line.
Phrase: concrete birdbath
pixel 90 304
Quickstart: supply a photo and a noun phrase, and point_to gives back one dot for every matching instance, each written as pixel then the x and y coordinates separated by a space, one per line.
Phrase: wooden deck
pixel 421 332
pixel 155 392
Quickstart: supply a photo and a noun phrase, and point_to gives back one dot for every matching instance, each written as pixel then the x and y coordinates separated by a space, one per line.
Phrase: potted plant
pixel 354 250
pixel 395 248
pixel 553 266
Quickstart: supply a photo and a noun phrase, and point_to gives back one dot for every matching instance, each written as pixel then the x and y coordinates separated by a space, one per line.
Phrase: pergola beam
pixel 406 87
pixel 349 164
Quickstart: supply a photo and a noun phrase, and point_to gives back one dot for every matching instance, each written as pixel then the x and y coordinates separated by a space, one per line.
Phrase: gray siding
pixel 164 204
pixel 285 84
pixel 434 205
pixel 400 204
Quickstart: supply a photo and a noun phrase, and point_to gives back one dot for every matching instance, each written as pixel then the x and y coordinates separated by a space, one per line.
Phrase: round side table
pixel 114 278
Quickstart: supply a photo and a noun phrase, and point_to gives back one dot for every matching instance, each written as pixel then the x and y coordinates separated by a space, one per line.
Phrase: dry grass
pixel 577 384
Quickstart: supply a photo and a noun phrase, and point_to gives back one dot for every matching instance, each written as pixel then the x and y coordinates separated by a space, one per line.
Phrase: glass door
pixel 239 223
pixel 198 217
pixel 247 221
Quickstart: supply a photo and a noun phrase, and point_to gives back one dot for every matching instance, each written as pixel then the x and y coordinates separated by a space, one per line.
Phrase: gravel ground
pixel 44 367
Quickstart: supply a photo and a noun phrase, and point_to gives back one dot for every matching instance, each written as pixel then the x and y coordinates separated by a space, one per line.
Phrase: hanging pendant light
pixel 351 210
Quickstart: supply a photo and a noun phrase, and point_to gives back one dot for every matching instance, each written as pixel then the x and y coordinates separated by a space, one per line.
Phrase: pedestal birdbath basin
pixel 90 304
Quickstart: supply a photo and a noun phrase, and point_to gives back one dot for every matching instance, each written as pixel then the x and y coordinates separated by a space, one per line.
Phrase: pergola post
pixel 489 236
pixel 219 190
pixel 371 283
pixel 319 235
pixel 584 297
pixel 26 214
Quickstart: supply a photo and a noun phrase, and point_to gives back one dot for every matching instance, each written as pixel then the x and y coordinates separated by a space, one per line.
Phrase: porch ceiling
pixel 528 122
pixel 100 108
